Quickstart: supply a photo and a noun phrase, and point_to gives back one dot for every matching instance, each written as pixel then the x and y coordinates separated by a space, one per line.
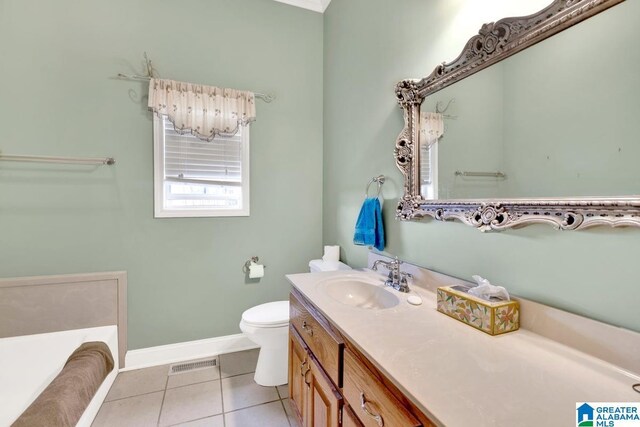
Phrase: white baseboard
pixel 172 353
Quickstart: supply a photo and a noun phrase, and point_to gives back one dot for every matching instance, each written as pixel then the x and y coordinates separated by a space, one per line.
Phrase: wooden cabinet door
pixel 324 402
pixel 298 370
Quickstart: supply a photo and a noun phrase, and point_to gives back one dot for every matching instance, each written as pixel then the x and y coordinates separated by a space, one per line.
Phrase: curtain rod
pixel 266 98
pixel 52 159
pixel 479 174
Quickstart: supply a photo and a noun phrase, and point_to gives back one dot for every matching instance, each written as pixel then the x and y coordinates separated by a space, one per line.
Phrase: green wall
pixel 369 45
pixel 58 97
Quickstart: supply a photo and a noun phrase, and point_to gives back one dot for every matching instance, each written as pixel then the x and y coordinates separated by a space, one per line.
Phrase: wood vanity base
pixel 332 384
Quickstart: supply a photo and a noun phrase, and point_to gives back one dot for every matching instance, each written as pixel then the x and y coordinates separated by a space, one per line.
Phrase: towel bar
pixel 377 179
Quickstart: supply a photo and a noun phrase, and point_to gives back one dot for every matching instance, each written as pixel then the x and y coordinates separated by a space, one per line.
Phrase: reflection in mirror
pixel 561 153
pixel 431 130
pixel 558 119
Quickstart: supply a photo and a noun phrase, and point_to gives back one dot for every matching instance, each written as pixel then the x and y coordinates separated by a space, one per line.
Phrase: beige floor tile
pixel 293 420
pixel 138 411
pixel 242 391
pixel 268 415
pixel 217 421
pixel 193 377
pixel 238 363
pixel 283 391
pixel 141 381
pixel 191 403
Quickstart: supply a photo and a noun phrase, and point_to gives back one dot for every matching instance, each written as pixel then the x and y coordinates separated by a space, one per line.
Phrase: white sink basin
pixel 360 292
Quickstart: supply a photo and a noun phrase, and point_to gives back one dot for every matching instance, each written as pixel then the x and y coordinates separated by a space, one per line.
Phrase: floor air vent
pixel 180 368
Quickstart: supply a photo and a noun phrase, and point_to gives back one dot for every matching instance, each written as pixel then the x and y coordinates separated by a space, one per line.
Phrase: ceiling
pixel 315 5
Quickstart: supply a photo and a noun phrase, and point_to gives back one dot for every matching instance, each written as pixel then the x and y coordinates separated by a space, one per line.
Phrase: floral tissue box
pixel 493 317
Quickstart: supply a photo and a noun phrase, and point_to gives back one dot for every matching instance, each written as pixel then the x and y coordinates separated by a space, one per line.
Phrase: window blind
pixel 189 159
pixel 426 166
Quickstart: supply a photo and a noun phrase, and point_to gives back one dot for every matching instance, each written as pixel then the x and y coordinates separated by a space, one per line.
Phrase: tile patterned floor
pixel 221 396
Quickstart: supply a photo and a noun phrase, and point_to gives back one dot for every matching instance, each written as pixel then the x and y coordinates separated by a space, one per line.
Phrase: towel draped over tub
pixel 65 399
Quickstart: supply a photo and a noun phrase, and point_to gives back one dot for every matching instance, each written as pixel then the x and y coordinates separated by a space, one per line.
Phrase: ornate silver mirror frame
pixel 495 42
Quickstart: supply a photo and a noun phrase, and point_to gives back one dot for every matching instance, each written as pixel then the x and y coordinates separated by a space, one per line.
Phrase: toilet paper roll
pixel 331 254
pixel 256 271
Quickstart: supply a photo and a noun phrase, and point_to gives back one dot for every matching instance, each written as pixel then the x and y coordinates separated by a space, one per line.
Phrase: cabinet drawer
pixel 372 402
pixel 325 345
pixel 349 419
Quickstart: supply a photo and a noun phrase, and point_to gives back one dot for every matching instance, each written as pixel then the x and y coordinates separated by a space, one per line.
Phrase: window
pixel 429 171
pixel 431 130
pixel 195 178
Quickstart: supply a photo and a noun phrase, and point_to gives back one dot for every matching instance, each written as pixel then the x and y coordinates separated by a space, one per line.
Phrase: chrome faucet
pixel 397 279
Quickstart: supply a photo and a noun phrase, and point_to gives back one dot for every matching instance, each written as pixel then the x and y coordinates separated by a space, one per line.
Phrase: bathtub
pixel 29 363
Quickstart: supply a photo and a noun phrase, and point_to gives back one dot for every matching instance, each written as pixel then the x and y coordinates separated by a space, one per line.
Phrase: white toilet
pixel 268 326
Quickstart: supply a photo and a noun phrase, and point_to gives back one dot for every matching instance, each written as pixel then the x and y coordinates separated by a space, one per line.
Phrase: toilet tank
pixel 318 265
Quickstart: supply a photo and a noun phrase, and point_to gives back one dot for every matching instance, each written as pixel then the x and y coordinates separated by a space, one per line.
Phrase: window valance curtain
pixel 431 128
pixel 203 111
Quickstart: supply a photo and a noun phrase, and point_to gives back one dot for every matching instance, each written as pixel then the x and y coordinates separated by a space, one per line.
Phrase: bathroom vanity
pixel 331 383
pixel 361 355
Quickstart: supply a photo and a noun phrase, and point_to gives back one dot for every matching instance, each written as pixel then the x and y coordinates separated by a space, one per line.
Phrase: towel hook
pixel 378 180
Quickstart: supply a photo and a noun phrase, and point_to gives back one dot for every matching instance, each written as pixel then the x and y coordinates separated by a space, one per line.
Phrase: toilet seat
pixel 269 315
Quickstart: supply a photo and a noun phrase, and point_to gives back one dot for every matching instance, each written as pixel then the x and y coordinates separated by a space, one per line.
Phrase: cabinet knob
pixel 363 406
pixel 307 328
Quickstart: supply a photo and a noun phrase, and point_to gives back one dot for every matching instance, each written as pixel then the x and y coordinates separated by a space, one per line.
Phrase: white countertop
pixel 459 376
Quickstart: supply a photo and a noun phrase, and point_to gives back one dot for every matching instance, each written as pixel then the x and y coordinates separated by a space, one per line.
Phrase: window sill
pixel 201 213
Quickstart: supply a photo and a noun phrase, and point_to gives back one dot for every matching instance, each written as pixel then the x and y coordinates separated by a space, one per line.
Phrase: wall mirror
pixel 529 128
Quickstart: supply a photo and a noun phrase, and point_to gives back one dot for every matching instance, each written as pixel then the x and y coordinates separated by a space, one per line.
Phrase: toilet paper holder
pixel 247 264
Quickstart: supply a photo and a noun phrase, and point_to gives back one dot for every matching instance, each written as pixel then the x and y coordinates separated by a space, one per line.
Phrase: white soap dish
pixel 414 300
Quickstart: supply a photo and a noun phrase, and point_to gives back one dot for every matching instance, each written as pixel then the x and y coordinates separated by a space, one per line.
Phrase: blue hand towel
pixel 369 227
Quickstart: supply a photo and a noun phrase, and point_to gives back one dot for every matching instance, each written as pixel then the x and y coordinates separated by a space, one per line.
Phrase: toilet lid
pixel 269 314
